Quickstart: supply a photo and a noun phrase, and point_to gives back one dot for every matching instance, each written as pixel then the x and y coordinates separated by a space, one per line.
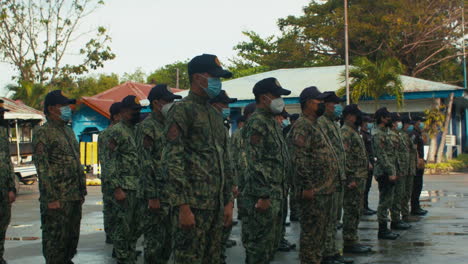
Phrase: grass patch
pixel 458 164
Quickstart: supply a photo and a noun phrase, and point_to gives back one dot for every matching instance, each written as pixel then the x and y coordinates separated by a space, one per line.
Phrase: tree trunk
pixel 433 139
pixel 440 150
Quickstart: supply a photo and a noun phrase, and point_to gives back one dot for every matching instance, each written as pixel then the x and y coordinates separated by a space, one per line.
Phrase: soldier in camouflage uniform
pixel 107 193
pixel 328 124
pixel 403 158
pixel 157 210
pixel 385 171
pixel 7 180
pixel 123 178
pixel 196 161
pixel 408 127
pixel 315 168
pixel 62 182
pixel 268 164
pixel 221 104
pixel 356 168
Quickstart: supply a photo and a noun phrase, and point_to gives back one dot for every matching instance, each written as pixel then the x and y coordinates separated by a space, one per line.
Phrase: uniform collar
pixel 350 126
pixel 56 123
pixel 197 98
pixel 264 112
pixel 330 116
pixel 157 116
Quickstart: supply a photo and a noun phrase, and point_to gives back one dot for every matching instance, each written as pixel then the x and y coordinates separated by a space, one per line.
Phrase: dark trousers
pixel 370 174
pixel 417 188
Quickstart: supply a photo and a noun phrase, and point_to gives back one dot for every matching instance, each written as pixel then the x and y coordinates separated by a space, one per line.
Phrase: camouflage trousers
pixel 201 244
pixel 127 227
pixel 406 197
pixel 157 230
pixel 108 210
pixel 60 231
pixel 352 207
pixel 260 231
pixel 386 194
pixel 339 206
pixel 398 197
pixel 330 248
pixel 294 204
pixel 5 217
pixel 313 219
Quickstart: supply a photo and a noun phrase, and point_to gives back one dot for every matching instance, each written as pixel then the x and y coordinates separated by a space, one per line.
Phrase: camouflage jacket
pixel 413 154
pixel 403 154
pixel 238 157
pixel 195 156
pixel 313 158
pixel 357 162
pixel 124 158
pixel 267 155
pixel 232 180
pixel 332 130
pixel 57 160
pixel 150 140
pixel 7 173
pixel 103 153
pixel 384 151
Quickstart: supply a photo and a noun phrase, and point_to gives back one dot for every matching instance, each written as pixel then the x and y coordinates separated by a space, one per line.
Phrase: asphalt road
pixel 439 237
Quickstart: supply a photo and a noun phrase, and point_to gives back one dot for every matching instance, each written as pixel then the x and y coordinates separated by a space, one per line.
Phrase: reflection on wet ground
pixel 439 237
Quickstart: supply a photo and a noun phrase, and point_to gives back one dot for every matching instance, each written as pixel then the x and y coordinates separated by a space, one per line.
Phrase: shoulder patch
pixel 173 133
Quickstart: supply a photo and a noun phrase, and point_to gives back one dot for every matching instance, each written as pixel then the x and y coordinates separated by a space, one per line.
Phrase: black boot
pixel 400 225
pixel 341 259
pixel 356 249
pixel 385 233
pixel 419 212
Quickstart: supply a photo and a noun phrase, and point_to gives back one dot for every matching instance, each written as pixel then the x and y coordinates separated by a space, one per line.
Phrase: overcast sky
pixel 153 33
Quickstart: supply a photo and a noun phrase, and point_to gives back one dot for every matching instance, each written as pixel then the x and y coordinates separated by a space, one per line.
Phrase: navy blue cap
pixel 285 114
pixel 294 117
pixel 57 97
pixel 2 107
pixel 115 108
pixel 382 112
pixel 162 92
pixel 249 109
pixel 396 117
pixel 311 93
pixel 223 98
pixel 208 63
pixel 419 118
pixel 352 109
pixel 367 118
pixel 131 101
pixel 332 97
pixel 407 120
pixel 270 85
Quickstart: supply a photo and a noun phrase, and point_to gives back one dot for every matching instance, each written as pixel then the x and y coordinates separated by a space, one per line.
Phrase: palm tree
pixel 374 79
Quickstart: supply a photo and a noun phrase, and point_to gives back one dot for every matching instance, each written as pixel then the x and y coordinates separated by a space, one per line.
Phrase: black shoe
pixel 357 249
pixel 341 259
pixel 287 224
pixel 138 253
pixel 372 210
pixel 339 226
pixel 368 212
pixel 419 212
pixel 235 222
pixel 231 243
pixel 400 225
pixel 284 248
pixel 2 261
pixel 385 233
pixel 329 260
pixel 293 218
pixel 291 246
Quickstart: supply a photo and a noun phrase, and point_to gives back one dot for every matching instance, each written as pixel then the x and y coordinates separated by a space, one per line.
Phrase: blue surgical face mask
pixel 410 128
pixel 338 110
pixel 285 122
pixel 65 113
pixel 399 125
pixel 214 87
pixel 226 112
pixel 370 126
pixel 421 126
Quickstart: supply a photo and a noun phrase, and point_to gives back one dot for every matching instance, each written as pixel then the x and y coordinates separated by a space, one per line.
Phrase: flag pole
pixel 348 101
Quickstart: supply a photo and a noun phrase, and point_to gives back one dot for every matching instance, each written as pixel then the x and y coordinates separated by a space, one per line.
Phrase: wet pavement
pixel 439 237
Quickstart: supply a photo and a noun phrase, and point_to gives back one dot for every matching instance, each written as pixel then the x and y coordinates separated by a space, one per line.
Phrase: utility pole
pixel 348 100
pixel 463 44
pixel 177 79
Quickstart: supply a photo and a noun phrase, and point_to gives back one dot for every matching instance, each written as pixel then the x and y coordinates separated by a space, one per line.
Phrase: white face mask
pixel 165 109
pixel 276 105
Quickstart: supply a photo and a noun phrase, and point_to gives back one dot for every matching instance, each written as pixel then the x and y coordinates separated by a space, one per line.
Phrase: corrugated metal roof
pixel 325 78
pixel 18 110
pixel 102 101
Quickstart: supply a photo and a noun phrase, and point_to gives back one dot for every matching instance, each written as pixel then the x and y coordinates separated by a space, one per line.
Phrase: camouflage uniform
pixel 413 161
pixel 268 163
pixel 196 162
pixel 384 144
pixel 357 164
pixel 330 128
pixel 403 157
pixel 240 164
pixel 158 224
pixel 124 173
pixel 61 178
pixel 7 184
pixel 107 193
pixel 316 167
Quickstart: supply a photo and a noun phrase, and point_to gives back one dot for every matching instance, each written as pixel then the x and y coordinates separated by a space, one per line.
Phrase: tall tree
pixel 138 76
pixel 168 75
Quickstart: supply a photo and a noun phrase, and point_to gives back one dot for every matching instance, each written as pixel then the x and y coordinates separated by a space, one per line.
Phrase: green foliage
pixel 168 75
pixel 457 164
pixel 138 76
pixel 241 68
pixel 435 118
pixel 374 79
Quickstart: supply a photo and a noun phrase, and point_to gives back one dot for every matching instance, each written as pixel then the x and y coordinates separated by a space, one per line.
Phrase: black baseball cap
pixel 311 93
pixel 2 107
pixel 223 98
pixel 57 97
pixel 396 117
pixel 382 112
pixel 352 109
pixel 249 109
pixel 419 118
pixel 207 63
pixel 162 92
pixel 332 97
pixel 285 114
pixel 115 108
pixel 294 117
pixel 367 119
pixel 407 120
pixel 269 85
pixel 131 101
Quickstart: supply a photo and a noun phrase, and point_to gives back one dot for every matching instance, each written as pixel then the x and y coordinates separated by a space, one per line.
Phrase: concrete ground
pixel 440 237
